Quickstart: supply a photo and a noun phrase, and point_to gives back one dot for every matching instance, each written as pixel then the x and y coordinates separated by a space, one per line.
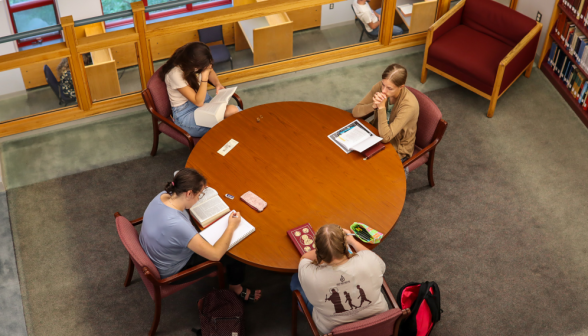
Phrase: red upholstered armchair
pixel 384 324
pixel 483 46
pixel 157 287
pixel 157 102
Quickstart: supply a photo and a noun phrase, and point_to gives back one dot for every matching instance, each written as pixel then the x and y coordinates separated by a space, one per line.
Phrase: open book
pixel 354 137
pixel 213 112
pixel 213 233
pixel 209 208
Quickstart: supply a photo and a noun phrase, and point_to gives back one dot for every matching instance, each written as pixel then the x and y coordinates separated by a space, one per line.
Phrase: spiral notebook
pixel 213 232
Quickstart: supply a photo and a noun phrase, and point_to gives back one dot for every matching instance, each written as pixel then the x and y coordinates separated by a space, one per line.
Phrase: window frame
pixel 27 5
pixel 171 12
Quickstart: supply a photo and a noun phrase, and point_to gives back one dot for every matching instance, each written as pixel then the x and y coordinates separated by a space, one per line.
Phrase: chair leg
pixel 492 107
pixel 129 273
pixel 361 36
pixel 231 59
pixel 424 74
pixel 528 72
pixel 294 315
pixel 157 312
pixel 430 168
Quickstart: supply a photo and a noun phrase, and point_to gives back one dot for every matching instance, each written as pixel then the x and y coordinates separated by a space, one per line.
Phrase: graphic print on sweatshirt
pixel 351 293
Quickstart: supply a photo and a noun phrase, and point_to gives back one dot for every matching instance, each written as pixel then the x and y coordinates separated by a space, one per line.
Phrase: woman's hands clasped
pixel 379 100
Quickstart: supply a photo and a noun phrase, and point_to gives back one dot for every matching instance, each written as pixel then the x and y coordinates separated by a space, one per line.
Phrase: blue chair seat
pixel 220 53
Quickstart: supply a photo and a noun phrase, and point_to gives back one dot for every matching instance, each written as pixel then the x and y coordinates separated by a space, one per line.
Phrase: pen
pixel 351 234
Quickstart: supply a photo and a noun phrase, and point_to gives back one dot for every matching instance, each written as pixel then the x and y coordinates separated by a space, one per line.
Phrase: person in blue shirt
pixel 172 242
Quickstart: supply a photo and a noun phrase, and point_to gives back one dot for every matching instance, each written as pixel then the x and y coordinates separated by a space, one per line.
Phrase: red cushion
pixel 158 91
pixel 418 162
pixel 497 21
pixel 381 324
pixel 468 55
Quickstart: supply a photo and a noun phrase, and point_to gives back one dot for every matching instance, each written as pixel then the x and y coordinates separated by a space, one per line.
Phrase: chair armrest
pixel 421 153
pixel 183 274
pixel 134 222
pixel 446 16
pixel 521 45
pixel 149 103
pixel 437 136
pixel 389 294
pixel 296 296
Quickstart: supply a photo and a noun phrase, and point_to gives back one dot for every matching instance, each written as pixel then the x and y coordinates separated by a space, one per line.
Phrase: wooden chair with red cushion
pixel 157 102
pixel 158 288
pixel 430 130
pixel 384 324
pixel 483 46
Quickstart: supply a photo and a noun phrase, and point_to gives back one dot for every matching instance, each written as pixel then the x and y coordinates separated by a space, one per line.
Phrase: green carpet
pixel 503 232
pixel 76 149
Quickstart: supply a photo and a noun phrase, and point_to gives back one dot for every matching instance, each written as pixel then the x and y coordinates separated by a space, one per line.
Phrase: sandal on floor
pixel 251 295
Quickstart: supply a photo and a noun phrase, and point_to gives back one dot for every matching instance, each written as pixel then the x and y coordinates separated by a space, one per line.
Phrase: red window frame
pixel 171 12
pixel 31 4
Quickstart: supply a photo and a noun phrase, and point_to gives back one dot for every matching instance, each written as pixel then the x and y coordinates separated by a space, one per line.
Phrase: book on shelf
pixel 213 112
pixel 303 238
pixel 210 208
pixel 582 97
pixel 561 22
pixel 213 233
pixel 551 53
pixel 354 137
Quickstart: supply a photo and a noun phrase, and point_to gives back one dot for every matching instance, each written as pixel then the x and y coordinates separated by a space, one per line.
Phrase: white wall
pixel 79 9
pixel 341 14
pixel 530 8
pixel 10 80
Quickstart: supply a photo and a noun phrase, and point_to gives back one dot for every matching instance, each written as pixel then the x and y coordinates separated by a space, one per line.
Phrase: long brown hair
pixel 63 66
pixel 330 244
pixel 192 58
pixel 395 73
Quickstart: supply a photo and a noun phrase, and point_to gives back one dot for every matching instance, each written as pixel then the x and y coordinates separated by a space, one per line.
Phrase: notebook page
pixel 213 233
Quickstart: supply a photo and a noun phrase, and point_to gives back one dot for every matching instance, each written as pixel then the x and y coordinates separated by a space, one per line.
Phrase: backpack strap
pixel 434 301
pixel 423 290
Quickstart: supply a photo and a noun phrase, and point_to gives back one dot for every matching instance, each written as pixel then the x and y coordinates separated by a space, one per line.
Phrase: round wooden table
pixel 287 160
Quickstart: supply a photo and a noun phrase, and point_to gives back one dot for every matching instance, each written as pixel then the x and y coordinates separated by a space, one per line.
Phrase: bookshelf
pixel 547 69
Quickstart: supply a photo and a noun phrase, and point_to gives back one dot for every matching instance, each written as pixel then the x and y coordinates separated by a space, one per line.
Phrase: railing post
pixel 76 65
pixel 514 3
pixel 442 8
pixel 144 51
pixel 387 21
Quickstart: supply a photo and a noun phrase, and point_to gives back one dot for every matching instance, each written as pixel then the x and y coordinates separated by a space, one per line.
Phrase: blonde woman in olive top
pixel 396 110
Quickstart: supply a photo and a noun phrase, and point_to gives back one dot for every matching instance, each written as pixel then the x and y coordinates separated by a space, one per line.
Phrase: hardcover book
pixel 303 238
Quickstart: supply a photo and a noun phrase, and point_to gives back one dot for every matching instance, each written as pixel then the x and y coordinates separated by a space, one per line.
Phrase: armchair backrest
pixel 429 116
pixel 130 239
pixel 211 34
pixel 381 324
pixel 496 20
pixel 158 91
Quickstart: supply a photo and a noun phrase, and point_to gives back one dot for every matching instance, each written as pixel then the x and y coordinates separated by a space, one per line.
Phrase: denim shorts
pixel 184 117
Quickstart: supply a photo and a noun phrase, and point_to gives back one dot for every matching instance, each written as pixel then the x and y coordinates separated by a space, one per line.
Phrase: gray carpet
pixel 503 232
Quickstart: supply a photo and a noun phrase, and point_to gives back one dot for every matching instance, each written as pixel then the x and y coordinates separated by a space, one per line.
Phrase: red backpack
pixel 424 301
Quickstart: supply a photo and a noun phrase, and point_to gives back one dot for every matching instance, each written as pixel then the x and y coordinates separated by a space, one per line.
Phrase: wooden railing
pixel 142 34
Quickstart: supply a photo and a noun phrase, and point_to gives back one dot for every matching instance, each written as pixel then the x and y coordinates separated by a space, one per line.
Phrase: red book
pixel 368 153
pixel 303 238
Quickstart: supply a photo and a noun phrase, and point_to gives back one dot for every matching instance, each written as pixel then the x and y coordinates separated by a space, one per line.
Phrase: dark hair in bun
pixel 186 179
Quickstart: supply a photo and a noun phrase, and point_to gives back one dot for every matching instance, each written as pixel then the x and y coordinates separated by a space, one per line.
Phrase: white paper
pixel 353 137
pixel 213 233
pixel 213 112
pixel 371 140
pixel 227 147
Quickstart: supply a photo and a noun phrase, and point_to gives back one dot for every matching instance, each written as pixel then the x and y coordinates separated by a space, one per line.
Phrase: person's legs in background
pixel 295 285
pixel 395 30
